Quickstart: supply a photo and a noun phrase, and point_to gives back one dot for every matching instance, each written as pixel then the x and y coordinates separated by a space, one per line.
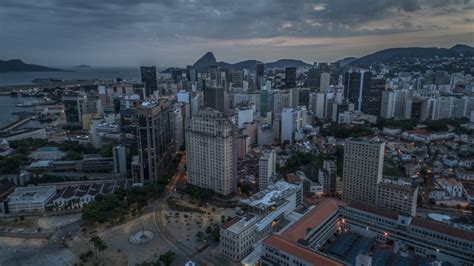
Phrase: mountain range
pixel 382 56
pixel 208 59
pixel 395 54
pixel 203 63
pixel 16 65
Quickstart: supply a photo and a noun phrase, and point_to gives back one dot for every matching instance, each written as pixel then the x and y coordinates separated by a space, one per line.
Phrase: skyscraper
pixel 74 109
pixel 155 142
pixel 216 98
pixel 120 160
pixel 356 86
pixel 324 80
pixel 290 77
pixel 362 171
pixel 260 75
pixel 266 169
pixel 148 76
pixel 211 152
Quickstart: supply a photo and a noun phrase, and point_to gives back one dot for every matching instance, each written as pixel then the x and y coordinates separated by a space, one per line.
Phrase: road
pixel 161 205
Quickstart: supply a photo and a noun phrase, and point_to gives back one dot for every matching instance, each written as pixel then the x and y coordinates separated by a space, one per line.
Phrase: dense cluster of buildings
pixel 241 126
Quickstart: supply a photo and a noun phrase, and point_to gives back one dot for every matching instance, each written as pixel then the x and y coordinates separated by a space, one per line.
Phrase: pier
pixel 19 122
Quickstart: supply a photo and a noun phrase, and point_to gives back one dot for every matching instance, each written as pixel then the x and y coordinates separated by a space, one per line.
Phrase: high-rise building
pixel 396 104
pixel 148 76
pixel 210 152
pixel 74 109
pixel 236 78
pixel 266 169
pixel 318 103
pixel 260 75
pixel 362 170
pixel 356 86
pixel 397 195
pixel 176 74
pixel 214 75
pixel 324 81
pixel 290 77
pixel 292 121
pixel 327 177
pixel 120 160
pixel 177 118
pixel 313 78
pixel 155 142
pixel 216 98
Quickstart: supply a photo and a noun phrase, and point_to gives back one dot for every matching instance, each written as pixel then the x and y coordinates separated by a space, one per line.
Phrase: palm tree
pixel 99 245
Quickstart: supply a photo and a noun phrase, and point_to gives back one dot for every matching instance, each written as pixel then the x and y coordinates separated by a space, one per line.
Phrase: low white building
pixel 30 199
pixel 452 186
pixel 265 209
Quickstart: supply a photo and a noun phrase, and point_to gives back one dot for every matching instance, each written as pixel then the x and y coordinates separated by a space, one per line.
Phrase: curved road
pixel 160 206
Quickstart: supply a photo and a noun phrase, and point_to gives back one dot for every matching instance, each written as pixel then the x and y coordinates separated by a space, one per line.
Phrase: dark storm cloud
pixel 88 25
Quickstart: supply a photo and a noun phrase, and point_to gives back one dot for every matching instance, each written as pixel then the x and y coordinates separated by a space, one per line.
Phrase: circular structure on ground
pixel 439 217
pixel 141 237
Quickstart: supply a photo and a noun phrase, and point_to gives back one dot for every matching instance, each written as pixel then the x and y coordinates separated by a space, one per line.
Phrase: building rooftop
pixel 38 193
pixel 47 149
pixel 416 221
pixel 312 219
pixel 271 195
pixel 299 252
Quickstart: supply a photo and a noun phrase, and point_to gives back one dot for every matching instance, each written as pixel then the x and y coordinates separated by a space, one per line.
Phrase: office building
pixel 318 103
pixel 313 78
pixel 210 152
pixel 236 78
pixel 148 76
pixel 327 177
pixel 74 108
pixel 398 195
pixel 266 169
pixel 290 77
pixel 362 232
pixel 356 86
pixel 177 118
pixel 155 142
pixel 324 80
pixel 260 75
pixel 292 121
pixel 265 210
pixel 30 199
pixel 120 161
pixel 362 170
pixel 396 104
pixel 216 98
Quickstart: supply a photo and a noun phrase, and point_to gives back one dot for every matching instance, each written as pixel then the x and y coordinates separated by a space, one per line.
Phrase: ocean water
pixel 102 73
pixel 7 107
pixel 7 103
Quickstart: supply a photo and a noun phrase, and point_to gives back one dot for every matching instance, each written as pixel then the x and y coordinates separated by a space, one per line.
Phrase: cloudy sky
pixel 177 32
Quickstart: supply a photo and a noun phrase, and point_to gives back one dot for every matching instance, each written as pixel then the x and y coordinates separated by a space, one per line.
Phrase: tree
pixel 99 245
pixel 167 258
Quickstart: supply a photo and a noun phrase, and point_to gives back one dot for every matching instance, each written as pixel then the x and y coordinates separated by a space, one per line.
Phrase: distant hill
pixel 394 54
pixel 466 50
pixel 16 65
pixel 203 63
pixel 82 66
pixel 282 63
pixel 346 61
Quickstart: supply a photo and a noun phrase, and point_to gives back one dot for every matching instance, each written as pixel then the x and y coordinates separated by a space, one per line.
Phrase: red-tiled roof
pixel 312 219
pixel 442 228
pixel 374 209
pixel 299 252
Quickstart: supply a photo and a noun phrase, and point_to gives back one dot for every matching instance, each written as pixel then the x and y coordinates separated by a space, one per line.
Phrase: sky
pixel 178 32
